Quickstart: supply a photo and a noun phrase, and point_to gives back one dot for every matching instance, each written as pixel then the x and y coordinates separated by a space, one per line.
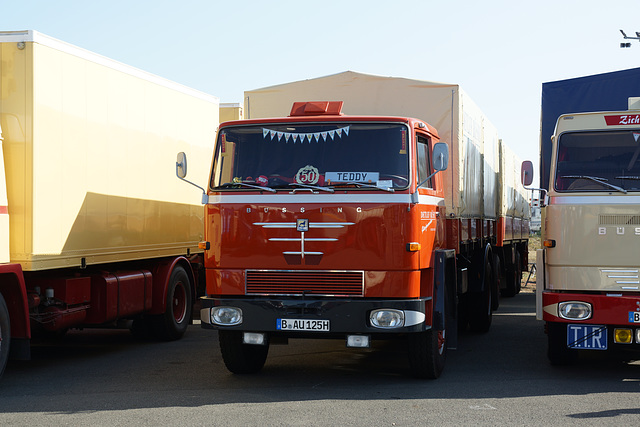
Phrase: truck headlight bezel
pixel 575 310
pixel 226 316
pixel 387 318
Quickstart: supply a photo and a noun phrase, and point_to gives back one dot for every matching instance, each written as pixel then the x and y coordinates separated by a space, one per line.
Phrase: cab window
pixel 424 163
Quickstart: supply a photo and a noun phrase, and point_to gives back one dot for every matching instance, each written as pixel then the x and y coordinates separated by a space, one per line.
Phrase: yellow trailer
pixel 94 227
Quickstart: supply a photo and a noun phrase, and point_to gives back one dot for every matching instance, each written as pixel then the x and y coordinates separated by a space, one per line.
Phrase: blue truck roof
pixel 598 92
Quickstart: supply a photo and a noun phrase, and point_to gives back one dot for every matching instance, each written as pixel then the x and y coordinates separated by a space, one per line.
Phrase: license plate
pixel 587 337
pixel 302 325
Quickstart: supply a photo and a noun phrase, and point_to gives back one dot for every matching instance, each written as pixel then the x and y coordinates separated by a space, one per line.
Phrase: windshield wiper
pixel 636 178
pixel 597 179
pixel 310 187
pixel 362 184
pixel 244 184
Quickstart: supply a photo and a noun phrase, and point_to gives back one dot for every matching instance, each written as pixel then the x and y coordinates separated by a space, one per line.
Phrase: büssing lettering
pixel 301 210
pixel 620 231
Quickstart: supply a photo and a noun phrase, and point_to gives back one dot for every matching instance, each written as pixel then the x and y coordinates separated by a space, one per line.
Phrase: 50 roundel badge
pixel 307 175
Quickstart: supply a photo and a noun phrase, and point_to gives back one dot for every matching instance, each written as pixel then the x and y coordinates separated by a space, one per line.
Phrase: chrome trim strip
pixel 612 199
pixel 329 224
pixel 306 239
pixel 276 224
pixel 266 270
pixel 412 318
pixel 302 240
pixel 311 224
pixel 351 198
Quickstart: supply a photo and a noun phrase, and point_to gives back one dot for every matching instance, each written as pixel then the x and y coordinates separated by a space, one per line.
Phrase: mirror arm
pixel 428 178
pixel 205 198
pixel 414 195
pixel 541 190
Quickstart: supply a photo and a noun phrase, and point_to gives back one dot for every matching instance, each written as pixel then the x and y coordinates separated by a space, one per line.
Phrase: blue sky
pixel 500 52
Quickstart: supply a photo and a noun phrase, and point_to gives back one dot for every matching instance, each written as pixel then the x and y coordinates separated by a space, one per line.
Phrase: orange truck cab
pixel 322 225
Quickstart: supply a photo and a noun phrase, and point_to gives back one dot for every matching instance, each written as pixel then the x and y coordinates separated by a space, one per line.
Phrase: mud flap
pixel 445 299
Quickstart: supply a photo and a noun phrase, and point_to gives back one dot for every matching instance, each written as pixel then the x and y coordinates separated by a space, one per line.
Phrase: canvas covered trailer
pixel 473 179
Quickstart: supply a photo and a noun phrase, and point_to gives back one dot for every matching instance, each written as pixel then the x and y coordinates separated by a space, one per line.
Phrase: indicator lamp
pixel 413 247
pixel 623 336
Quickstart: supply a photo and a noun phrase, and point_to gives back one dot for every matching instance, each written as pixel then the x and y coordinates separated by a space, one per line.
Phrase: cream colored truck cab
pixel 589 290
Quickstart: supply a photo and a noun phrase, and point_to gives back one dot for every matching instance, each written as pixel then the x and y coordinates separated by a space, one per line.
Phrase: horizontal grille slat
pixel 321 283
pixel 619 219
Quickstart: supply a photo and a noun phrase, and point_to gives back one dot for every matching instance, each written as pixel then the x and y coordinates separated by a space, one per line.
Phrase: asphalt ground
pixel 107 378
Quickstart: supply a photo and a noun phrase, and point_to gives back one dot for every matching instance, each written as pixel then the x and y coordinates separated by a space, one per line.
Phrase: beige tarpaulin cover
pixel 472 177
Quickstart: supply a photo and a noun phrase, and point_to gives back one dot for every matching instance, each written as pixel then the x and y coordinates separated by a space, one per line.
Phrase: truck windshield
pixel 598 161
pixel 312 157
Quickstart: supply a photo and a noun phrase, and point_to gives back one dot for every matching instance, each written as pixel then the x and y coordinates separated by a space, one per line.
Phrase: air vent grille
pixel 302 282
pixel 619 219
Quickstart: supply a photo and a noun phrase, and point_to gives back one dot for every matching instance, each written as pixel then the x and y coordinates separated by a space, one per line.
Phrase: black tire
pixel 495 283
pixel 514 277
pixel 172 324
pixel 428 349
pixel 557 351
pixel 518 273
pixel 482 314
pixel 241 358
pixel 427 353
pixel 5 334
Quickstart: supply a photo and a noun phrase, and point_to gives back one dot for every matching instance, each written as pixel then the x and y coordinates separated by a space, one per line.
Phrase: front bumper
pixel 345 316
pixel 608 308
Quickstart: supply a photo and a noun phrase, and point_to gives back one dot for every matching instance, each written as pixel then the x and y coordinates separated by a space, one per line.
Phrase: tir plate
pixel 587 337
pixel 302 325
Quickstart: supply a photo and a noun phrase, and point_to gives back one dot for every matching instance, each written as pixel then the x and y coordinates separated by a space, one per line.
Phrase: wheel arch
pixel 14 291
pixel 161 274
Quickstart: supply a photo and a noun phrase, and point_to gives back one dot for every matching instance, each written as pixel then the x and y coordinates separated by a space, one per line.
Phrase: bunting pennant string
pixel 308 137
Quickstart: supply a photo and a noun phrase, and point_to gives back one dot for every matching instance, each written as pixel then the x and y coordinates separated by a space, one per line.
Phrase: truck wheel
pixel 241 358
pixel 427 353
pixel 495 283
pixel 482 315
pixel 557 350
pixel 514 276
pixel 5 334
pixel 518 269
pixel 428 349
pixel 172 324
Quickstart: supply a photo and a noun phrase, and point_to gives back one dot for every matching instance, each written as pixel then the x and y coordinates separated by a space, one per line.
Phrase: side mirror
pixel 440 162
pixel 181 172
pixel 440 157
pixel 526 177
pixel 526 173
pixel 181 165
